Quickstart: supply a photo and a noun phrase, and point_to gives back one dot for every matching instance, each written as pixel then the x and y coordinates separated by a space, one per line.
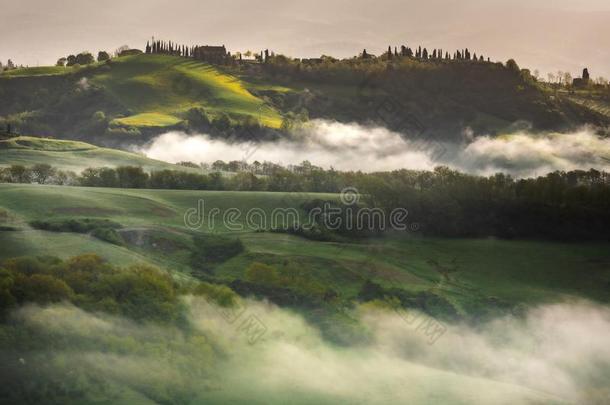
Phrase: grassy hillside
pixel 139 91
pixel 71 155
pixel 432 98
pixel 159 88
pixel 131 98
pixel 38 71
pixel 474 275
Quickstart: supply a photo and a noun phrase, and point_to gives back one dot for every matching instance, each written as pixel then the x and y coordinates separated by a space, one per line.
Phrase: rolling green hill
pixel 481 279
pixel 129 99
pixel 113 101
pixel 160 88
pixel 71 155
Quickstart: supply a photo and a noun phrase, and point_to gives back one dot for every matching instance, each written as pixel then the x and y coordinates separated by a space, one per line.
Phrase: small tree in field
pixel 42 172
pixel 84 58
pixel 102 56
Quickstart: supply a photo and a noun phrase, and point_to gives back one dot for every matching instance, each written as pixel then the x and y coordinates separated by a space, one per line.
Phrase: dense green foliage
pixel 434 98
pixel 560 205
pixel 139 292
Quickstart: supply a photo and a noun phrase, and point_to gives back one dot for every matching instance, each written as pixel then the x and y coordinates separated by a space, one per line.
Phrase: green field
pixel 71 155
pixel 38 71
pixel 485 272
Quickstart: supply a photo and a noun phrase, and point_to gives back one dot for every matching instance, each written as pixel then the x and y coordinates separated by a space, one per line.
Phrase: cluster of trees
pixel 82 59
pixel 419 53
pixel 212 54
pixel 566 205
pixel 9 66
pixel 138 292
pixel 571 205
pixel 169 48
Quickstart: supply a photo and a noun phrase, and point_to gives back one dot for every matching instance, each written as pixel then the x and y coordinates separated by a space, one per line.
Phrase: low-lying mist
pixel 554 354
pixel 357 147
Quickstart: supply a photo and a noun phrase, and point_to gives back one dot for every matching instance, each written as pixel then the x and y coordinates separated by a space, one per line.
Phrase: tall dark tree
pixel 102 56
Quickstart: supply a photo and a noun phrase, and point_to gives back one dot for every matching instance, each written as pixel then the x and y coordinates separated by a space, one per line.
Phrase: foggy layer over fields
pixel 356 147
pixel 554 353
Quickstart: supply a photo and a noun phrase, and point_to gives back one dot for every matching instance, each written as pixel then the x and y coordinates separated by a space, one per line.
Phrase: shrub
pixel 260 273
pixel 109 235
pixel 220 294
pixel 42 289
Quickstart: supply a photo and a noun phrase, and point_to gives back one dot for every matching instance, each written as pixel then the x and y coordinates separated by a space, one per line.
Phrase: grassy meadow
pixel 71 155
pixel 159 88
pixel 471 273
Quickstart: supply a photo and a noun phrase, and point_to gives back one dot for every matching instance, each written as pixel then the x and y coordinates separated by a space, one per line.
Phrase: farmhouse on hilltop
pixel 582 81
pixel 211 54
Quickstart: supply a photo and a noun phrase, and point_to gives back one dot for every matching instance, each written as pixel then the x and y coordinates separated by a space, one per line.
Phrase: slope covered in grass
pixel 38 71
pixel 71 155
pixel 159 88
pixel 474 275
pixel 116 102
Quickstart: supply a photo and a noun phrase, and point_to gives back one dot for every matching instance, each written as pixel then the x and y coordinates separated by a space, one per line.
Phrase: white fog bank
pixel 555 354
pixel 357 147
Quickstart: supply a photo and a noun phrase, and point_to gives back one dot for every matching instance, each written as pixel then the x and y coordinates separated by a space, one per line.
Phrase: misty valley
pixel 186 223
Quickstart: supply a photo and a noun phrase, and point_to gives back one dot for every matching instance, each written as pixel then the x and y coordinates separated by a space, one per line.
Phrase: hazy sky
pixel 540 34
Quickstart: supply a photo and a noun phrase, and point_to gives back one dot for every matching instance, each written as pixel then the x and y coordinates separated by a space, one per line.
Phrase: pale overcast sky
pixel 546 35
